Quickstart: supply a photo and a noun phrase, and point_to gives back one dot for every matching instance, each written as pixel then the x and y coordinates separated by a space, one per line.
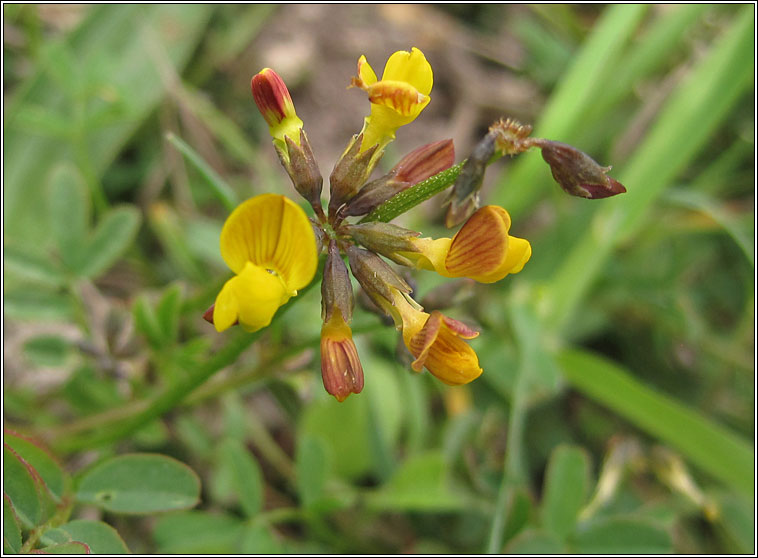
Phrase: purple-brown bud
pixel 336 288
pixel 386 239
pixel 577 173
pixel 376 277
pixel 417 166
pixel 349 174
pixel 464 197
pixel 303 170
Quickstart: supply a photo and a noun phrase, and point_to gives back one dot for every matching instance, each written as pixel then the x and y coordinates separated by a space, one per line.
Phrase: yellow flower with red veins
pixel 269 244
pixel 398 98
pixel 482 250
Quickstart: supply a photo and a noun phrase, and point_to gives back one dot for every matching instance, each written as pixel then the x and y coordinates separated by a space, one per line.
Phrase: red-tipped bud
pixel 577 173
pixel 341 369
pixel 275 104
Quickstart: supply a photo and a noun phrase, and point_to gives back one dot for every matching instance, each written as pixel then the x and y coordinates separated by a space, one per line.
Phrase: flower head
pixel 269 244
pixel 398 98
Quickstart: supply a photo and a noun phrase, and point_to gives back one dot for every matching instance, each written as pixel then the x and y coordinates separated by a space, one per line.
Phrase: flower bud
pixel 336 289
pixel 377 278
pixel 303 170
pixel 464 197
pixel 341 369
pixel 577 173
pixel 385 239
pixel 349 174
pixel 417 166
pixel 275 104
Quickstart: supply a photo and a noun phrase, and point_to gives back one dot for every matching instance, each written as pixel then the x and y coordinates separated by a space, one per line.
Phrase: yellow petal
pixel 366 72
pixel 271 232
pixel 252 297
pixel 411 67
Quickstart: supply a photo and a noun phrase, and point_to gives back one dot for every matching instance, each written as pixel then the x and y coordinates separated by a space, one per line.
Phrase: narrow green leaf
pixel 197 532
pixel 690 115
pixel 32 267
pixel 565 490
pixel 247 476
pixel 621 536
pixel 705 444
pixel 702 202
pixel 40 459
pixel 11 529
pixel 167 313
pixel 737 519
pixel 220 188
pixel 146 322
pixel 23 491
pixel 100 537
pixel 113 235
pixel 576 92
pixel 532 541
pixel 140 484
pixel 69 213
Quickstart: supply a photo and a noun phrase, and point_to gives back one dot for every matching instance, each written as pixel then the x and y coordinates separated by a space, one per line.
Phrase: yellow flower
pixel 482 250
pixel 275 104
pixel 398 98
pixel 437 342
pixel 269 244
pixel 341 369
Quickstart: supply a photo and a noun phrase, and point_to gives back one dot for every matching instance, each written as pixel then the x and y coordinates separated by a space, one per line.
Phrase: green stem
pixel 410 198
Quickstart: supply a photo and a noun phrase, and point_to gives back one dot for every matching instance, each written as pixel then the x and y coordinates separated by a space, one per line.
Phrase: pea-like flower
pixel 398 98
pixel 268 242
pixel 482 250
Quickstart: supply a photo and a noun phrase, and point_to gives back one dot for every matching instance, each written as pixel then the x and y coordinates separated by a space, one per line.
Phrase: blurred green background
pixel 616 412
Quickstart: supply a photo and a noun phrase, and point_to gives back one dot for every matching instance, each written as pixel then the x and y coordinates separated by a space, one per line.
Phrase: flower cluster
pixel 273 247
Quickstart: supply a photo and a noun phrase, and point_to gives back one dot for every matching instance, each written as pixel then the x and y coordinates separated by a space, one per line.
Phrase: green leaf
pixel 565 489
pixel 113 235
pixel 350 451
pixel 246 476
pixel 197 532
pixel 37 304
pixel 32 267
pixel 40 459
pixel 710 446
pixel 621 536
pixel 47 350
pixel 312 466
pixel 218 186
pixel 65 548
pixel 533 541
pixel 69 213
pixel 420 484
pixel 100 537
pixel 11 529
pixel 20 486
pixel 140 484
